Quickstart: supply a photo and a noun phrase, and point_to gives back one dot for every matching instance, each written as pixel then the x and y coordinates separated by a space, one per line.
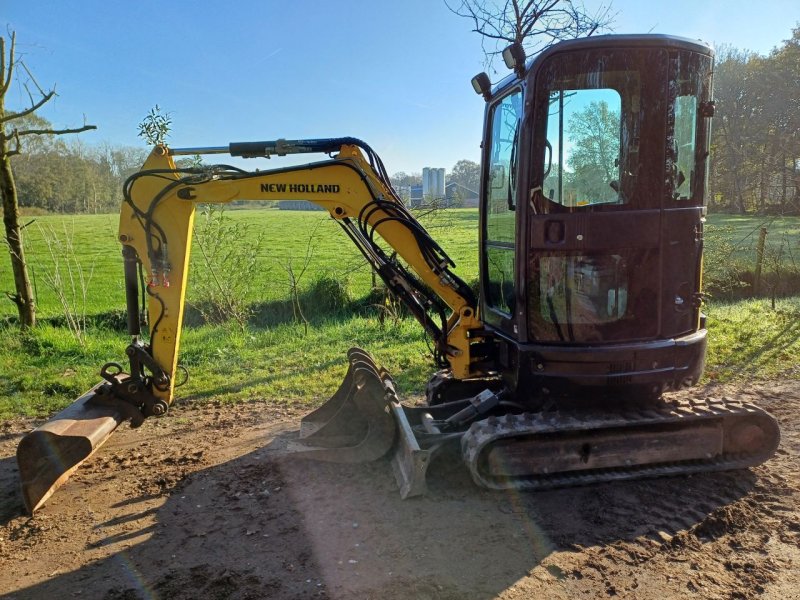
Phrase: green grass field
pixel 286 237
pixel 287 234
pixel 45 369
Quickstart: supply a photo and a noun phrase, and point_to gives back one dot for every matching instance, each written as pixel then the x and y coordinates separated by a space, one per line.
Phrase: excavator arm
pixel 156 228
pixel 155 231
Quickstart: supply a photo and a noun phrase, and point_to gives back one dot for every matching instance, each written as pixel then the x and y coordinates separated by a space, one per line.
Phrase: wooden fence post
pixel 762 238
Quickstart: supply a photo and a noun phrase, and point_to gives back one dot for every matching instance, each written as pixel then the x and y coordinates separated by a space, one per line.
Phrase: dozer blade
pixel 49 454
pixel 356 424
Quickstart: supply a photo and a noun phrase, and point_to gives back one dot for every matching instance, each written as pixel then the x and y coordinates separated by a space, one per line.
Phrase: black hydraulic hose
pixel 434 256
pixel 387 272
pixel 154 328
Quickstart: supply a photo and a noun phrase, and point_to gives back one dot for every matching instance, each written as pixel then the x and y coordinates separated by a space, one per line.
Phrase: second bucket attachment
pixel 356 424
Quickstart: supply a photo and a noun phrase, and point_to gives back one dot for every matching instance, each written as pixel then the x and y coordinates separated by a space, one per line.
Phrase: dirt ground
pixel 207 503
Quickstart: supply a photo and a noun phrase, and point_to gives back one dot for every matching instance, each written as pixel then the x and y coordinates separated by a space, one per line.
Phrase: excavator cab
pixel 592 210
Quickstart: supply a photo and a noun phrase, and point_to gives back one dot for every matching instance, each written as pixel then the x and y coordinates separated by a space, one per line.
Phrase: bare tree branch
pixel 536 24
pixel 28 91
pixel 7 70
pixel 31 109
pixel 53 131
pixel 3 89
pixel 32 78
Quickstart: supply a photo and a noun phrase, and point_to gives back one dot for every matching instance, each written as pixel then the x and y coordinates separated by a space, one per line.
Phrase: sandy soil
pixel 207 503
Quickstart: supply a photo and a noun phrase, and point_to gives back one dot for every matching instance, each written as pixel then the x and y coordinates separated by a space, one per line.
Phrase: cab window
pixel 499 200
pixel 582 157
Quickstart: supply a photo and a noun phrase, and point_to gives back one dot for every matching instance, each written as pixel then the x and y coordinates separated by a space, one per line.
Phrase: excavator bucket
pixel 356 424
pixel 49 454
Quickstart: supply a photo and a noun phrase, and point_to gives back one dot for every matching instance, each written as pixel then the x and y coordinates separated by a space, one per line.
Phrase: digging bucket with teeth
pixel 356 424
pixel 364 421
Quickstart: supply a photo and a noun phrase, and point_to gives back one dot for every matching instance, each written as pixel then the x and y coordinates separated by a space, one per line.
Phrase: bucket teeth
pixel 356 424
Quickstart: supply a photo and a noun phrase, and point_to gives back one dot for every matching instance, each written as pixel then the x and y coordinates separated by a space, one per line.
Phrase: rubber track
pixel 483 433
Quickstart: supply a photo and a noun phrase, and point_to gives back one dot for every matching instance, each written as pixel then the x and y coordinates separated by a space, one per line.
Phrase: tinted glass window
pixel 502 181
pixel 499 203
pixel 602 116
pixel 685 135
pixel 582 161
pixel 593 297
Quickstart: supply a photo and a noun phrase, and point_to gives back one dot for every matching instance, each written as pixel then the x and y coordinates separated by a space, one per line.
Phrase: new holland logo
pixel 300 188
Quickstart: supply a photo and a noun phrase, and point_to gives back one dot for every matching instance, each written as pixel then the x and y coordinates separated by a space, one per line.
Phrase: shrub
pixel 226 270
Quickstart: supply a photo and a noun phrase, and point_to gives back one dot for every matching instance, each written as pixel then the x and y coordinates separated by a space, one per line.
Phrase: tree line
pixel 755 141
pixel 57 176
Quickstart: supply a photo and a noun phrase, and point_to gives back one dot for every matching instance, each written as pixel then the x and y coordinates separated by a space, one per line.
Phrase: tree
pixel 73 178
pixel 536 24
pixel 467 173
pixel 12 131
pixel 735 125
pixel 755 144
pixel 403 179
pixel 780 86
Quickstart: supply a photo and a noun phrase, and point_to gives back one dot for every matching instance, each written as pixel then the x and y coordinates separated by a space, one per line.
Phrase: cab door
pixel 616 204
pixel 499 212
pixel 594 226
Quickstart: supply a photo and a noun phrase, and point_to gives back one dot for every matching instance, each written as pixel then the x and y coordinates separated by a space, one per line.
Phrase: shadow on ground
pixel 268 525
pixel 10 498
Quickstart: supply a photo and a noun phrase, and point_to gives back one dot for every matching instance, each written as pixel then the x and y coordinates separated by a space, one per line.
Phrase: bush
pixel 223 280
pixel 326 296
pixel 722 276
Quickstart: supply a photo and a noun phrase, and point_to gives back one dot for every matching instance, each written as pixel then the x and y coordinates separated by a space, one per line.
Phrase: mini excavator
pixel 593 183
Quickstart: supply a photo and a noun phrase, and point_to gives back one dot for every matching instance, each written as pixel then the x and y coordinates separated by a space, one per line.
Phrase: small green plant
pixel 156 126
pixel 223 282
pixel 722 275
pixel 328 295
pixel 66 277
pixel 295 275
pixel 389 308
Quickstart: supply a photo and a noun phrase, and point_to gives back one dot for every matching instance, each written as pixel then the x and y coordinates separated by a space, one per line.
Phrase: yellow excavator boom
pixel 155 231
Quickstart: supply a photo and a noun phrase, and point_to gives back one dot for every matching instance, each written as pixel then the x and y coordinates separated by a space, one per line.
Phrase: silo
pixel 439 184
pixel 427 188
pixel 433 181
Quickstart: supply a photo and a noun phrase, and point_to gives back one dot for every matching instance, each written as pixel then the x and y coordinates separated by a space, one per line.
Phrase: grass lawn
pixel 286 237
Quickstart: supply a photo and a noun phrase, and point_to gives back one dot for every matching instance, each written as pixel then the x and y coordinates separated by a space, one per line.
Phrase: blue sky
pixel 394 73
